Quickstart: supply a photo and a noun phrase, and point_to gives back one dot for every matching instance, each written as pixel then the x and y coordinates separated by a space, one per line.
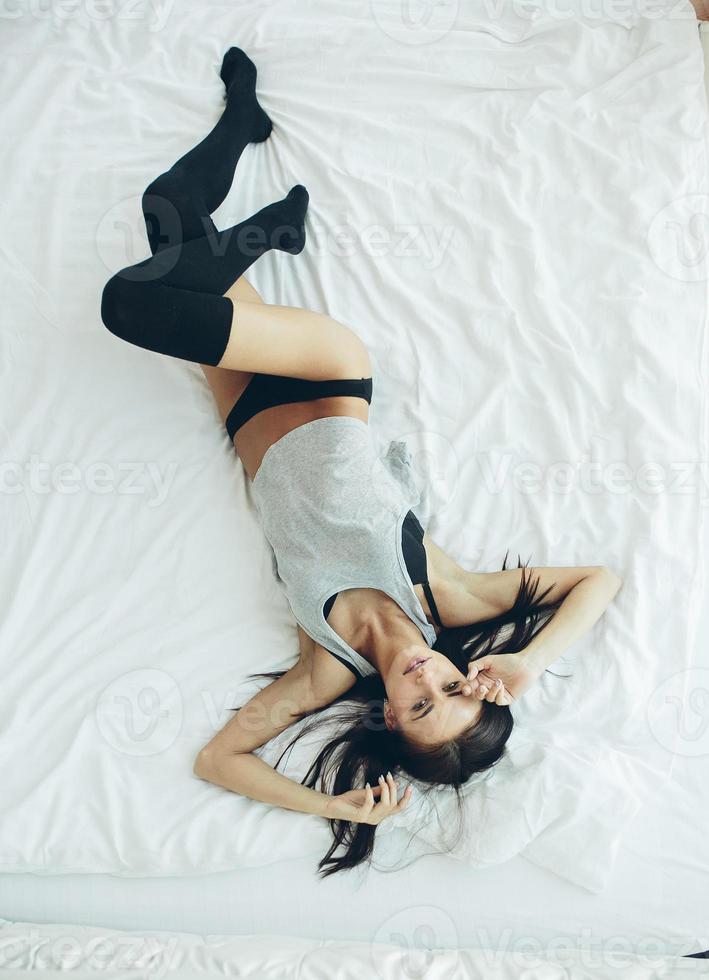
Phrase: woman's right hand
pixel 502 678
pixel 360 806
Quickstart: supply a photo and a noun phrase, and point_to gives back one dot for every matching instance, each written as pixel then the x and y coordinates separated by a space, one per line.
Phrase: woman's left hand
pixel 501 678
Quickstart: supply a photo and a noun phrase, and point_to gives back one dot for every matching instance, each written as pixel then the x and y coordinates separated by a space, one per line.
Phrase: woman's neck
pixel 381 629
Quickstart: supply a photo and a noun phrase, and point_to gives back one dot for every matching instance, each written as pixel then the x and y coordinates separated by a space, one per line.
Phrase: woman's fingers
pixel 477 678
pixel 384 797
pixel 480 684
pixel 391 792
pixel 374 811
pixel 471 681
pixel 489 689
pixel 493 688
pixel 407 794
pixel 502 696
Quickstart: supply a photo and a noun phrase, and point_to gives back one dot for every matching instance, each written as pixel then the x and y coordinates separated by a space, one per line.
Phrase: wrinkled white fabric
pixel 57 950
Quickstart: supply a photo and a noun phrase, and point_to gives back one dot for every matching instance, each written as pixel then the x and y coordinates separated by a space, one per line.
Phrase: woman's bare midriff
pixel 266 427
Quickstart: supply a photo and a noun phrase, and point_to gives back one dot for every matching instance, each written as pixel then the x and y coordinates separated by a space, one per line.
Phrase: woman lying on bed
pixel 371 592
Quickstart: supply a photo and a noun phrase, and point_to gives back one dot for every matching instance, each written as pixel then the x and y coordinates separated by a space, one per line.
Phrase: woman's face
pixel 428 697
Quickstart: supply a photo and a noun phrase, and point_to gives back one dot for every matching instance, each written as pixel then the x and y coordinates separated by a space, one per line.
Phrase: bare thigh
pixel 227 385
pixel 266 427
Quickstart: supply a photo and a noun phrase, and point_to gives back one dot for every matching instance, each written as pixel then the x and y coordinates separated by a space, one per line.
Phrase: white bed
pixel 523 193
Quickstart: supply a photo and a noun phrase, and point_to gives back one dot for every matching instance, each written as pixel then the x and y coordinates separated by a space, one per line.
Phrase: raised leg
pixel 177 205
pixel 175 303
pixel 211 263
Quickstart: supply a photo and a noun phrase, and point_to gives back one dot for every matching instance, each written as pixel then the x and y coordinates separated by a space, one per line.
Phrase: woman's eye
pixel 420 704
pixel 451 687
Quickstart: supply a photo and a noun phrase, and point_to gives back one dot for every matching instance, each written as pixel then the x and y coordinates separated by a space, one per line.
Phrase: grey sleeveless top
pixel 332 511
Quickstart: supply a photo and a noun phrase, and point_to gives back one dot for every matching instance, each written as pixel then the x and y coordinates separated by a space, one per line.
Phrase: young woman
pixel 423 656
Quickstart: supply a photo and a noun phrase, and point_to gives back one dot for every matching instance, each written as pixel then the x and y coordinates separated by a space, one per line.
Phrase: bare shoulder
pixel 440 565
pixel 328 677
pixel 459 598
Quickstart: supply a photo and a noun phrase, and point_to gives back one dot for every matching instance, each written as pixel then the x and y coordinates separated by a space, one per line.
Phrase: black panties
pixel 266 390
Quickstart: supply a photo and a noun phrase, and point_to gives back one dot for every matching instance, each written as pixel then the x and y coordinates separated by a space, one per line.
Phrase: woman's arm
pixel 584 593
pixel 465 597
pixel 228 760
pixel 583 605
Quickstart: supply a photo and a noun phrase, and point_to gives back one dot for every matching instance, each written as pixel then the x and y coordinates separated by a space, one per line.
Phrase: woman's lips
pixel 416 662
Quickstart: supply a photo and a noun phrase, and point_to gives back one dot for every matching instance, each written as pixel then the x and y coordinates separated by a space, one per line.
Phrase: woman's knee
pixel 121 303
pixel 358 363
pixel 166 191
pixel 345 352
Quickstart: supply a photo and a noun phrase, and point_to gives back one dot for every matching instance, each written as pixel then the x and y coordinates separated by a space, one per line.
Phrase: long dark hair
pixel 363 746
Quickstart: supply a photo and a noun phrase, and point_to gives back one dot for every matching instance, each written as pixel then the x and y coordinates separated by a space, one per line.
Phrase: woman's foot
pixel 238 72
pixel 286 220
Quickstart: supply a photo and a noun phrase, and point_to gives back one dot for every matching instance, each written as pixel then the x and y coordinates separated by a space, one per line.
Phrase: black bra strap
pixel 432 604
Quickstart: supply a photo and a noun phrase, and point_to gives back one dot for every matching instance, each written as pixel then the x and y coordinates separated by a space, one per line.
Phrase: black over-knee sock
pixel 211 264
pixel 177 204
pixel 173 302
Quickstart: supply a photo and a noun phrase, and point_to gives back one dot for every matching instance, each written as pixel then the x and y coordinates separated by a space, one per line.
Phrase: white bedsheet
pixel 506 184
pixel 77 951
